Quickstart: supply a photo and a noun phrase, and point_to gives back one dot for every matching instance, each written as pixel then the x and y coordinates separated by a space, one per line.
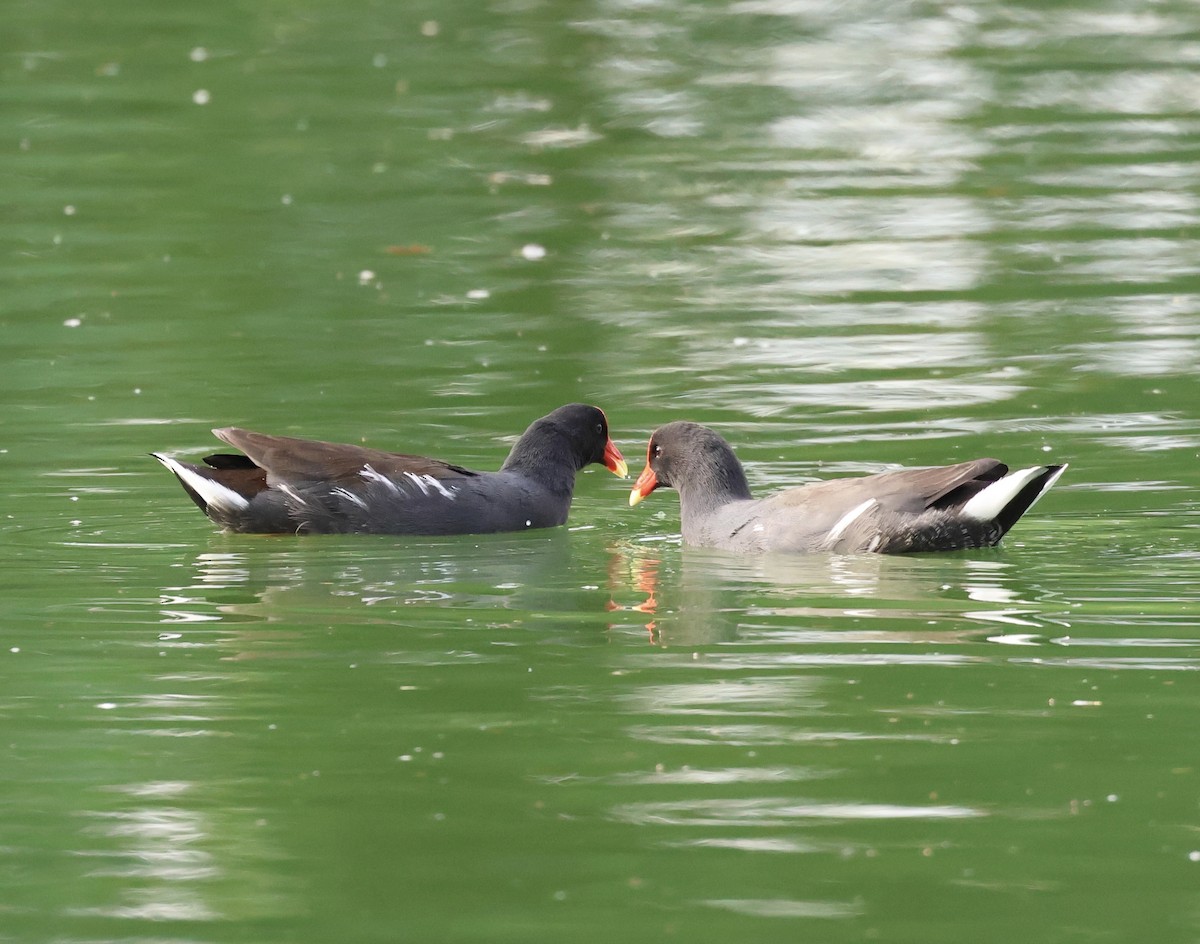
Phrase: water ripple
pixel 758 735
pixel 786 907
pixel 768 812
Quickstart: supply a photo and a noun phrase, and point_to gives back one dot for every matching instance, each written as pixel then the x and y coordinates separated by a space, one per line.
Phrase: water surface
pixel 851 236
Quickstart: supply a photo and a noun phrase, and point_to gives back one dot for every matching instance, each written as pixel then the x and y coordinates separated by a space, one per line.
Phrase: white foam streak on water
pixel 766 812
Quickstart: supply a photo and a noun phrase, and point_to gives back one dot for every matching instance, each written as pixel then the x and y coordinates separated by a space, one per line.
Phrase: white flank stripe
pixel 372 476
pixel 350 496
pixel 291 493
pixel 848 519
pixel 213 493
pixel 420 481
pixel 426 483
pixel 445 492
pixel 988 504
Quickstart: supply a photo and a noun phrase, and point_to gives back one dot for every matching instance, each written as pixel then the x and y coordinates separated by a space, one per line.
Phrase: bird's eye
pixel 600 428
pixel 657 451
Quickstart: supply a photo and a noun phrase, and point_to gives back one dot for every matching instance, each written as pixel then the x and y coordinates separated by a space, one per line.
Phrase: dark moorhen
pixel 972 504
pixel 283 485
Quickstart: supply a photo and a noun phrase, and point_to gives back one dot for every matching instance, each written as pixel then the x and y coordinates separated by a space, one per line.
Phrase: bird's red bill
pixel 645 484
pixel 614 461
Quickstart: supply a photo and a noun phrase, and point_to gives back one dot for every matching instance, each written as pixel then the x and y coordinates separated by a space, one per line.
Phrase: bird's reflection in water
pixel 686 596
pixel 673 595
pixel 386 582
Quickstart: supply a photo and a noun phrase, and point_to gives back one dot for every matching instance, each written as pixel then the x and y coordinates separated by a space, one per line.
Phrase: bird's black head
pixel 575 434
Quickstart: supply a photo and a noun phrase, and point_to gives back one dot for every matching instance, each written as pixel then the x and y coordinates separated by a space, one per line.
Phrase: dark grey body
pixel 286 485
pixel 479 503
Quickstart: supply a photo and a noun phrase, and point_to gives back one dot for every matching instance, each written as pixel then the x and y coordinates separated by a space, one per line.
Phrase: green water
pixel 851 236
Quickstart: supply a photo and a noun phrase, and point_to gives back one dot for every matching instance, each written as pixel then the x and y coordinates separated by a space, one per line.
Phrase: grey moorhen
pixel 971 504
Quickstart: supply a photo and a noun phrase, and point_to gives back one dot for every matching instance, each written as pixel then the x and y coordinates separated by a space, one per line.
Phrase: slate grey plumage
pixel 286 485
pixel 971 504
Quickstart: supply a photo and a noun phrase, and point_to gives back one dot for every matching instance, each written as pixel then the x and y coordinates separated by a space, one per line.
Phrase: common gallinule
pixel 284 485
pixel 972 504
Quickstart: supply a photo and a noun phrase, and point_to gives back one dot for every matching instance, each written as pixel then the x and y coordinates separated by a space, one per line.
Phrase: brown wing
pixel 940 487
pixel 910 490
pixel 309 460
